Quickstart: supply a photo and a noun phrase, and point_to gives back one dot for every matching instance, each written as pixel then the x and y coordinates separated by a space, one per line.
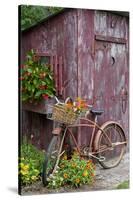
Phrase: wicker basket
pixel 61 114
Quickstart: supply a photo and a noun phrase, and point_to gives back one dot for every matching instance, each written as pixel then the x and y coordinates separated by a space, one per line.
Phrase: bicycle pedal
pixel 101 159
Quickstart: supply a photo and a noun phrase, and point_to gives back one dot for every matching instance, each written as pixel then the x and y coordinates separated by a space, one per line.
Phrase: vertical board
pixel 85 63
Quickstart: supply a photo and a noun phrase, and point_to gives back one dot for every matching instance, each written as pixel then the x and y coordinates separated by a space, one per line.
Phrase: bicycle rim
pixel 112 134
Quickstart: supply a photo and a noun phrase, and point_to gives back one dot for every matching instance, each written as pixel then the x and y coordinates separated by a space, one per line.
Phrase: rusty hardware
pixel 124 96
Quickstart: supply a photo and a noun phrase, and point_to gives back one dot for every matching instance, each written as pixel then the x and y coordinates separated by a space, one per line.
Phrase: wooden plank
pixel 110 39
pixel 60 75
pixel 56 73
pixel 51 63
pixel 41 107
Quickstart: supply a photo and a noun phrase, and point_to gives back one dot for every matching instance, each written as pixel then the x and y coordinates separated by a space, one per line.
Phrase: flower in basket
pixel 36 79
pixel 78 106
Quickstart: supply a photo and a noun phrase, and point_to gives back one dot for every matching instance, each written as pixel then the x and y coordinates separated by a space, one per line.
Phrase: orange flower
pixel 88 166
pixel 89 161
pixel 92 174
pixel 69 105
pixel 65 175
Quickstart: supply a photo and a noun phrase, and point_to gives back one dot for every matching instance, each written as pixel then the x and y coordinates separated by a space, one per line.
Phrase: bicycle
pixel 107 146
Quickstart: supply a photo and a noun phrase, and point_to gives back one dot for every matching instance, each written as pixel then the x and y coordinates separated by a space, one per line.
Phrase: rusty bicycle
pixel 107 142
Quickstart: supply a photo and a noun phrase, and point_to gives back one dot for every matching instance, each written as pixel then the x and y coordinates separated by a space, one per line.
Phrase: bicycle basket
pixel 61 114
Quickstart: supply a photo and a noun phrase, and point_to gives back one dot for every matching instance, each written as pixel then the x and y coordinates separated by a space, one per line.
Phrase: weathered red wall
pixel 94 49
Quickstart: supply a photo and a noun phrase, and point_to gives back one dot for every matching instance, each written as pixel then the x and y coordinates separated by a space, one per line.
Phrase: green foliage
pixel 74 172
pixel 123 185
pixel 36 79
pixel 30 164
pixel 30 15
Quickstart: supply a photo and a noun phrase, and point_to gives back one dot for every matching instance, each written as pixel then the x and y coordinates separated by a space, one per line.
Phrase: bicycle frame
pixel 89 123
pixel 93 125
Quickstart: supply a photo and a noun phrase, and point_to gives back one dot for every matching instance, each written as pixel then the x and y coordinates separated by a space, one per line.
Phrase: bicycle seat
pixel 97 112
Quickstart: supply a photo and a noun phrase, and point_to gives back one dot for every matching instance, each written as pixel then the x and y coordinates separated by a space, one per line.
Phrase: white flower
pixel 74 103
pixel 75 109
pixel 61 178
pixel 51 176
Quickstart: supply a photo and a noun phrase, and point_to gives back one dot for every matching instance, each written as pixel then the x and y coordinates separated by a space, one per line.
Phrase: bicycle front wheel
pixel 111 144
pixel 51 158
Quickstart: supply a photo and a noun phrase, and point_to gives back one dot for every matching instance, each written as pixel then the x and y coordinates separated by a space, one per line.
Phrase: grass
pixel 123 185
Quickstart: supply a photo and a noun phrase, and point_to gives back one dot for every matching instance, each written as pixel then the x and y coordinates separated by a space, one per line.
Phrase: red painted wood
pixel 85 63
pixel 55 66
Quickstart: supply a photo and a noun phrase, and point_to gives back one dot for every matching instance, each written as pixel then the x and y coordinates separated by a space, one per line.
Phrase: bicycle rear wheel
pixel 111 144
pixel 51 158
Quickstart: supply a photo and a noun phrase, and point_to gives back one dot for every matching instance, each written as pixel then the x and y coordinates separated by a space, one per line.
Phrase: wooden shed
pixel 88 50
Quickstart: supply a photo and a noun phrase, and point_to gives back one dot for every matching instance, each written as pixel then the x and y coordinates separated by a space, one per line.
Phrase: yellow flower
pixel 85 173
pixel 26 167
pixel 23 172
pixel 33 177
pixel 73 164
pixel 21 165
pixel 65 157
pixel 77 180
pixel 65 175
pixel 62 166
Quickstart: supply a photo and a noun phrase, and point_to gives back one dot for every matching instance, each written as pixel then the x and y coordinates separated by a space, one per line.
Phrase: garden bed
pixel 104 180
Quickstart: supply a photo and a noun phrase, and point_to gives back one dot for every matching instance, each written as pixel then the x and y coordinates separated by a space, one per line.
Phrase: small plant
pixel 74 172
pixel 30 163
pixel 28 172
pixel 36 79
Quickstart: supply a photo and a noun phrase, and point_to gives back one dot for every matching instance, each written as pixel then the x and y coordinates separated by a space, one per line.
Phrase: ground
pixel 105 180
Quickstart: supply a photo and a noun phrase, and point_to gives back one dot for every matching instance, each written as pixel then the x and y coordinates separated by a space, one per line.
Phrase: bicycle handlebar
pixel 67 99
pixel 59 102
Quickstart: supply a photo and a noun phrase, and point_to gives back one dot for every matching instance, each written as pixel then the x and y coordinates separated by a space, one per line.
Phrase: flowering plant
pixel 30 163
pixel 36 79
pixel 74 172
pixel 78 106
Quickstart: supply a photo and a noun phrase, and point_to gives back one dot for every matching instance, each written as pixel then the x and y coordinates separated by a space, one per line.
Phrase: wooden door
pixel 111 80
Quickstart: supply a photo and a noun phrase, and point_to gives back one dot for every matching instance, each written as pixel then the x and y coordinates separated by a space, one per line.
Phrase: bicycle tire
pixel 113 154
pixel 46 172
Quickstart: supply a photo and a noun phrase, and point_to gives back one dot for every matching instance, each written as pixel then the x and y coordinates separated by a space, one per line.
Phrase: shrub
pixel 74 172
pixel 30 163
